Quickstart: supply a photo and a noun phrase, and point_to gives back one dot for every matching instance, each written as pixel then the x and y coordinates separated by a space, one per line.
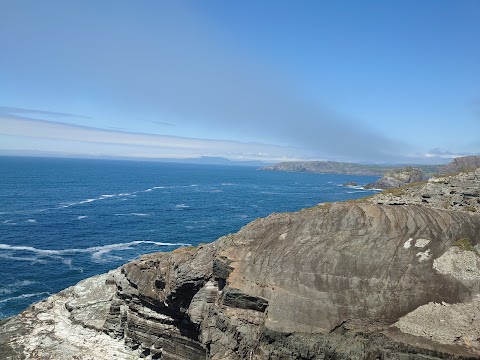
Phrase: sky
pixel 361 81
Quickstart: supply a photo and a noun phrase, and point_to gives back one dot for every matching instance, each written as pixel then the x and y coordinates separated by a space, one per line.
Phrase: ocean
pixel 63 220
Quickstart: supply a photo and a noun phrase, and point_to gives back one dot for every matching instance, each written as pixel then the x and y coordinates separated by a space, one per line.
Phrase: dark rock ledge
pixel 356 280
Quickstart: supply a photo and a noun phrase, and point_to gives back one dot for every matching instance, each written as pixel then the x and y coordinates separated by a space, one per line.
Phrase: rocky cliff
pixel 388 277
pixel 396 178
pixel 460 164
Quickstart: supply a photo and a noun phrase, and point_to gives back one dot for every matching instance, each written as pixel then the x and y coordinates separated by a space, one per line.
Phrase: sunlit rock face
pixel 355 280
pixel 397 178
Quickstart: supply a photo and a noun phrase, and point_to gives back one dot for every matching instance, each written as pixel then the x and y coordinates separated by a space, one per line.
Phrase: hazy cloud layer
pixel 53 136
pixel 165 58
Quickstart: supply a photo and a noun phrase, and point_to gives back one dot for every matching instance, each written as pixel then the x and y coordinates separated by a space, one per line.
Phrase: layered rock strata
pixel 369 279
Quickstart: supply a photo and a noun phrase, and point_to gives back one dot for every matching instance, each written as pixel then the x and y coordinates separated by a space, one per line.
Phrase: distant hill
pixel 332 167
pixel 460 164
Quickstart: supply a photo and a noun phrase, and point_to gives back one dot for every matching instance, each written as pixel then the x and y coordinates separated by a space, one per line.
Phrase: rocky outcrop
pixel 460 164
pixel 368 279
pixel 397 178
pixel 459 192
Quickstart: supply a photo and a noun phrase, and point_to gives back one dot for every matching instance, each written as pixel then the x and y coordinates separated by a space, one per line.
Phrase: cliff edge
pixel 387 277
pixel 397 178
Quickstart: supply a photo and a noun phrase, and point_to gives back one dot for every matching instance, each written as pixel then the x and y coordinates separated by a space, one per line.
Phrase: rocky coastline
pixel 333 167
pixel 392 276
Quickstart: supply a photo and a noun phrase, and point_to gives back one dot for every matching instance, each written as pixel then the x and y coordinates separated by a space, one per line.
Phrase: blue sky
pixel 375 81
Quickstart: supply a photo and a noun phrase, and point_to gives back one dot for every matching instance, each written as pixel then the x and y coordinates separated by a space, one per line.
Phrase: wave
pixel 182 206
pixel 33 260
pixel 109 196
pixel 24 296
pixel 358 188
pixel 33 221
pixel 133 214
pixel 81 217
pixel 96 251
pixel 10 288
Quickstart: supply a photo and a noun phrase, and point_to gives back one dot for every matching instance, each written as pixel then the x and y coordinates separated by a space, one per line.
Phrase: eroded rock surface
pixel 458 192
pixel 353 280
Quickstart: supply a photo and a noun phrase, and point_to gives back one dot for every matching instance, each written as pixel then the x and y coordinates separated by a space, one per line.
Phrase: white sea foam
pixel 33 259
pixel 96 251
pixel 109 196
pixel 81 217
pixel 10 288
pixel 24 296
pixel 133 214
pixel 33 221
pixel 29 248
pixel 89 201
pixel 182 206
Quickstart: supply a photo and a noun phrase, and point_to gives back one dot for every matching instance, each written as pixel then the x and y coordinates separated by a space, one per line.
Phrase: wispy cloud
pixel 444 154
pixel 84 140
pixel 160 123
pixel 8 110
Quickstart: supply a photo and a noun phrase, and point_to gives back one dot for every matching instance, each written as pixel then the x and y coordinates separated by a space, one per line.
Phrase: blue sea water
pixel 63 220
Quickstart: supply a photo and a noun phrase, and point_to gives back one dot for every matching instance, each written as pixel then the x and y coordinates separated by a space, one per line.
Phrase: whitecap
pixel 182 206
pixel 33 260
pixel 33 221
pixel 108 196
pixel 9 222
pixel 81 217
pixel 10 288
pixel 132 214
pixel 30 248
pixel 88 201
pixel 95 251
